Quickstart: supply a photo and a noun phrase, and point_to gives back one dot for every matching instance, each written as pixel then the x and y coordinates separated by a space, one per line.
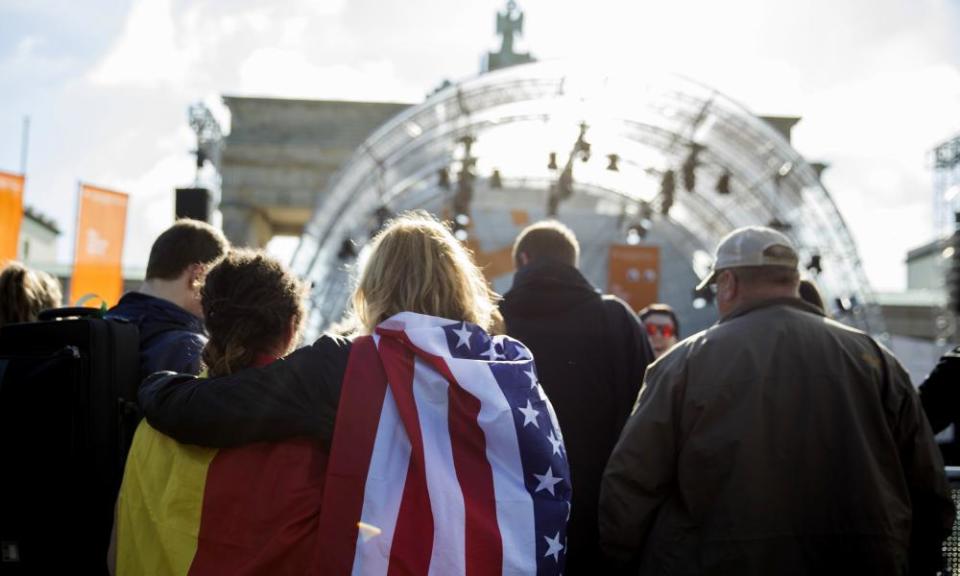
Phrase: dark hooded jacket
pixel 591 352
pixel 170 337
pixel 940 395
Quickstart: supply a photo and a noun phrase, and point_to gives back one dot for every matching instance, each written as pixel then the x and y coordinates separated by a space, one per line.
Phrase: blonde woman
pixel 445 455
pixel 24 293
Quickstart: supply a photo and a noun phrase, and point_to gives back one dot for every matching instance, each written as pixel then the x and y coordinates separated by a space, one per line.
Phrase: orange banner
pixel 634 274
pixel 11 214
pixel 98 253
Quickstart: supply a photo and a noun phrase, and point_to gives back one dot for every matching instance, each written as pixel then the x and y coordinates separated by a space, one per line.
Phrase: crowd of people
pixel 444 429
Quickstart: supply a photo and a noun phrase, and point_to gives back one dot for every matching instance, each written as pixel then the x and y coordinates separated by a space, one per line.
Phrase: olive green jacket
pixel 776 442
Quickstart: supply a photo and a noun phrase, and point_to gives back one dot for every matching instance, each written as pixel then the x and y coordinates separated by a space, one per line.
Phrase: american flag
pixel 446 459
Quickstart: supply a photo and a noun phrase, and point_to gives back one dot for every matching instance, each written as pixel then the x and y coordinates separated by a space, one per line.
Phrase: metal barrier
pixel 951 546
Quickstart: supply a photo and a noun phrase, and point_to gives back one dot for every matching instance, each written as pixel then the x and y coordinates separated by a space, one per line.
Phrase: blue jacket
pixel 170 337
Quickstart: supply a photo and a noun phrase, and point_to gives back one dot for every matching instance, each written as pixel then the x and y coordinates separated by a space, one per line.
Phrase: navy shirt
pixel 170 337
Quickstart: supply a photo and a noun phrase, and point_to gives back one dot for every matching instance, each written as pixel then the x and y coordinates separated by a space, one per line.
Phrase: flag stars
pixel 492 353
pixel 554 547
pixel 547 481
pixel 555 441
pixel 463 336
pixel 529 415
pixel 533 378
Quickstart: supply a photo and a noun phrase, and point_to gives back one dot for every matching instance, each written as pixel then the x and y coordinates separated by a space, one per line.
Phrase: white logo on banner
pixel 96 244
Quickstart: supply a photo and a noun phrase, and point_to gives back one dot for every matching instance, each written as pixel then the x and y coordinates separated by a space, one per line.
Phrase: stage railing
pixel 951 546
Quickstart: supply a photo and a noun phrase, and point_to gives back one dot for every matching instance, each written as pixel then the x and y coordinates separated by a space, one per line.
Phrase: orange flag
pixel 101 224
pixel 634 274
pixel 11 214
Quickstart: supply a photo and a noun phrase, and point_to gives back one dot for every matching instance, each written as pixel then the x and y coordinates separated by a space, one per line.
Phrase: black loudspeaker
pixel 193 203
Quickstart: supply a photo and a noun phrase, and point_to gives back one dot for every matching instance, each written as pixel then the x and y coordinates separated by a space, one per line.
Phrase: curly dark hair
pixel 250 301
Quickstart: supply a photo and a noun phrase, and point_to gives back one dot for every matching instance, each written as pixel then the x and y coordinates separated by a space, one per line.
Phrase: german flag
pixel 187 510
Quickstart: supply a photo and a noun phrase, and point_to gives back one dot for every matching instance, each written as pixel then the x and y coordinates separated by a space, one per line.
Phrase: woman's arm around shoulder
pixel 294 396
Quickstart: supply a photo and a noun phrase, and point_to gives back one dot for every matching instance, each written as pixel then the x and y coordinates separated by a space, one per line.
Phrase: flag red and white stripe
pixel 445 458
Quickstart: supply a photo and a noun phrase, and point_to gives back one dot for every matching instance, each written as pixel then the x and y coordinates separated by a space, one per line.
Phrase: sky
pixel 107 83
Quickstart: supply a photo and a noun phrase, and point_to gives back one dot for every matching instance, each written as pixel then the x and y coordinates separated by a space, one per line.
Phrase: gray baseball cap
pixel 748 246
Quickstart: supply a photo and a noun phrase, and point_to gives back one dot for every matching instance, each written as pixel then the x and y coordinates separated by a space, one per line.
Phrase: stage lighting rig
pixel 637 231
pixel 209 136
pixel 347 250
pixel 461 227
pixel 563 187
pixel 689 167
pixel 581 145
pixel 463 197
pixel 952 277
pixel 496 182
pixel 668 187
pixel 646 211
pixel 785 169
pixel 379 219
pixel 552 164
pixel 779 225
pixel 701 298
pixel 613 161
pixel 846 305
pixel 723 183
pixel 815 264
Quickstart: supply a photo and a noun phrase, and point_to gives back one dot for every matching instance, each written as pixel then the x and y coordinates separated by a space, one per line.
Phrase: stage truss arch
pixel 649 120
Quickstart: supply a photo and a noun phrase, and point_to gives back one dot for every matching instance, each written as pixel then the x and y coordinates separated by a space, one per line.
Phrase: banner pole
pixel 24 144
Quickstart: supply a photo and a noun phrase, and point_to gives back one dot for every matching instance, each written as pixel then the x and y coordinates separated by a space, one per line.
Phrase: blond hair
pixel 24 293
pixel 416 265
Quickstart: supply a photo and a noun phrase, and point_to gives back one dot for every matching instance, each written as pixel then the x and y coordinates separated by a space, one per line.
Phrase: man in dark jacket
pixel 775 442
pixel 940 395
pixel 591 352
pixel 166 309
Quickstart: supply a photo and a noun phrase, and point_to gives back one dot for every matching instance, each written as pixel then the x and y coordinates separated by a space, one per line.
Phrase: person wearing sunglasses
pixel 663 328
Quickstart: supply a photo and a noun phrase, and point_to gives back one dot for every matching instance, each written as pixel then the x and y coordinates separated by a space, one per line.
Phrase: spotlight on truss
pixel 779 225
pixel 612 162
pixel 723 183
pixel 347 250
pixel 637 231
pixel 553 161
pixel 461 226
pixel 689 168
pixel 701 298
pixel 496 182
pixel 380 216
pixel 668 186
pixel 785 169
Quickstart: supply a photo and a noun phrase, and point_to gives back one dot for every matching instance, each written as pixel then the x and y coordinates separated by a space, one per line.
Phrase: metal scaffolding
pixel 649 121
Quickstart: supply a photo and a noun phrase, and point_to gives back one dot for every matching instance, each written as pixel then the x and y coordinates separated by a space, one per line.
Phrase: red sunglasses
pixel 665 329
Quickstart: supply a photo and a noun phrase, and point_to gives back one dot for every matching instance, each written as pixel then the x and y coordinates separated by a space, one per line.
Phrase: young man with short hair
pixel 166 309
pixel 591 352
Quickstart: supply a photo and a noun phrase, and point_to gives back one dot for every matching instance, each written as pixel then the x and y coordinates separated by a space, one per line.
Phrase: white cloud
pixel 291 74
pixel 151 207
pixel 147 52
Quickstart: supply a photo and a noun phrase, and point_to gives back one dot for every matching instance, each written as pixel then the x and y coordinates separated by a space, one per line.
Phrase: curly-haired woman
pixel 251 509
pixel 445 454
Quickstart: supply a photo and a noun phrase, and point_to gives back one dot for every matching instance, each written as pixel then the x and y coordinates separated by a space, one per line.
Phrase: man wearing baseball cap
pixel 775 442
